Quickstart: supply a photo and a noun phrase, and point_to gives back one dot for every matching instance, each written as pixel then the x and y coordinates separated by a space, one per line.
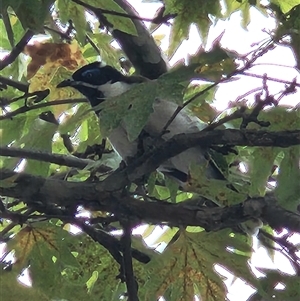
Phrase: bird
pixel 99 82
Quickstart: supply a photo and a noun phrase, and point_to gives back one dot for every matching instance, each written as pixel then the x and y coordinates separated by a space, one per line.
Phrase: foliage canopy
pixel 58 171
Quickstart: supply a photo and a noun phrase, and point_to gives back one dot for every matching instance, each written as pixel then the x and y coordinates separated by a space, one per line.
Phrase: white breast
pixel 112 90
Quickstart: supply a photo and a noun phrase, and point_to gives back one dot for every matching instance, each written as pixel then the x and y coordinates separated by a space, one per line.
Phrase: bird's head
pixel 97 82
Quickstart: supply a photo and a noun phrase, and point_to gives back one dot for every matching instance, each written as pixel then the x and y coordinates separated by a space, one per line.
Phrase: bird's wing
pixel 121 144
pixel 178 166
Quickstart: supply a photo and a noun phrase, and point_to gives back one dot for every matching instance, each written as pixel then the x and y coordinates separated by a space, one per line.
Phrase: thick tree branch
pixel 179 143
pixel 141 50
pixel 32 189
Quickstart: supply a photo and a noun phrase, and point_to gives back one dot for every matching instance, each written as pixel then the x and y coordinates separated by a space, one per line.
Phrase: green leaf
pixel 17 27
pixel 231 6
pixel 215 190
pixel 173 186
pixel 12 289
pixel 288 188
pixel 71 11
pixel 31 13
pixel 167 237
pixel 261 167
pixel 243 6
pixel 92 257
pixel 38 138
pixel 271 280
pixel 197 12
pixel 4 42
pixel 266 242
pixel 245 12
pixel 12 129
pixel 286 5
pixel 280 118
pixel 186 267
pixel 214 64
pixel 120 23
pixel 38 244
pixel 109 54
pixel 57 272
pixel 72 122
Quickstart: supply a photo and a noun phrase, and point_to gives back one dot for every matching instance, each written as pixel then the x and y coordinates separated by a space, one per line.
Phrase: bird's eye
pixel 89 75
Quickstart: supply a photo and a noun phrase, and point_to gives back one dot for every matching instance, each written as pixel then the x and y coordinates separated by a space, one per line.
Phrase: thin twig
pixel 247 65
pixel 131 283
pixel 63 35
pixel 25 109
pixel 22 218
pixel 272 64
pixel 8 28
pixel 286 248
pixel 93 44
pixel 270 78
pixel 64 160
pixel 17 49
pixel 180 108
pixel 235 115
pixel 247 94
pixel 15 84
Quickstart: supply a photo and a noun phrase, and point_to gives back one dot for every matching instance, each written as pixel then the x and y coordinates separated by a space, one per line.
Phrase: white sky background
pixel 242 41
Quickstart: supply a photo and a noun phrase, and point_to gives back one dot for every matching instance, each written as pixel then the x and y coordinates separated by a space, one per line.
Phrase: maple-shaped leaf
pixel 187 267
pixel 76 13
pixel 118 22
pixel 37 245
pixel 194 12
pixel 279 118
pixel 219 191
pixel 12 289
pixel 53 55
pixel 288 188
pixel 260 169
pixel 31 13
pixel 286 5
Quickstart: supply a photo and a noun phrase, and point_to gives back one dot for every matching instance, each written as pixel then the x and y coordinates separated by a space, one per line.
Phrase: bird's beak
pixel 66 83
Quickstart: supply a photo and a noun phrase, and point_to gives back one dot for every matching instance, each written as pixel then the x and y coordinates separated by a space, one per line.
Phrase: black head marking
pixel 89 79
pixel 97 82
pixel 97 75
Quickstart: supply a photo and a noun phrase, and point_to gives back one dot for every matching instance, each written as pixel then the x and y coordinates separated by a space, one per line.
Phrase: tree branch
pixel 179 143
pixel 15 84
pixel 274 79
pixel 131 283
pixel 33 189
pixel 25 109
pixel 141 50
pixel 16 50
pixel 64 160
pixel 248 63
